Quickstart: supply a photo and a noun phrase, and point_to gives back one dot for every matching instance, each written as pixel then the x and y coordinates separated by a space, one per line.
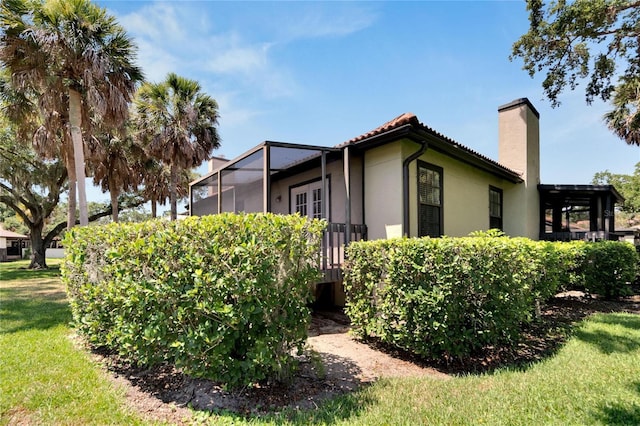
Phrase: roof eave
pixel 409 131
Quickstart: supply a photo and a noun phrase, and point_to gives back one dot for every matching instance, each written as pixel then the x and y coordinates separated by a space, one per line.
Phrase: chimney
pixel 519 150
pixel 217 162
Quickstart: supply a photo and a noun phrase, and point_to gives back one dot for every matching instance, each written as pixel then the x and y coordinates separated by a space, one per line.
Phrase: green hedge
pixel 609 268
pixel 452 296
pixel 223 297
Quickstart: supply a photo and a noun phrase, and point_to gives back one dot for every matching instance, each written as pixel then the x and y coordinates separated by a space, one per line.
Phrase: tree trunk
pixel 38 250
pixel 173 192
pixel 154 208
pixel 71 172
pixel 75 121
pixel 114 201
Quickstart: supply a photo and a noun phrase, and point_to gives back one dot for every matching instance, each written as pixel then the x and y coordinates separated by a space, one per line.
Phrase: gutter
pixel 405 184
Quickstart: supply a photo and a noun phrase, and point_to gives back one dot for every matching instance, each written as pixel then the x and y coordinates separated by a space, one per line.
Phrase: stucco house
pixel 405 178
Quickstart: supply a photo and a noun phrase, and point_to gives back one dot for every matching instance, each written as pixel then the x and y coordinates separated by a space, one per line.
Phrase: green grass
pixel 594 379
pixel 44 378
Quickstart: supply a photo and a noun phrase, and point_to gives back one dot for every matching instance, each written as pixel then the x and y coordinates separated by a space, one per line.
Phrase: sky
pixel 321 73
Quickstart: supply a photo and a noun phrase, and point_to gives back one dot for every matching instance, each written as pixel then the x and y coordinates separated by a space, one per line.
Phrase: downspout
pixel 346 167
pixel 405 185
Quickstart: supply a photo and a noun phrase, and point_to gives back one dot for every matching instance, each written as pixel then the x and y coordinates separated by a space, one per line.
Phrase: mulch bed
pixel 308 388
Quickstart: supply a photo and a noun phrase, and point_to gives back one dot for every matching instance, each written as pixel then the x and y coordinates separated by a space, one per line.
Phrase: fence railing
pixel 333 244
pixel 580 235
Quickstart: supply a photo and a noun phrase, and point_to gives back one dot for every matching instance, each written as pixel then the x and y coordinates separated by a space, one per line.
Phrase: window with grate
pixel 430 191
pixel 495 208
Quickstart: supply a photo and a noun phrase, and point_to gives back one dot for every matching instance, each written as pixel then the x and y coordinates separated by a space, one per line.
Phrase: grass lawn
pixel 593 379
pixel 44 379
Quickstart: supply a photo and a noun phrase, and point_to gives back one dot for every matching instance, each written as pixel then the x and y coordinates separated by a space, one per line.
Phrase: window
pixel 306 199
pixel 495 208
pixel 429 200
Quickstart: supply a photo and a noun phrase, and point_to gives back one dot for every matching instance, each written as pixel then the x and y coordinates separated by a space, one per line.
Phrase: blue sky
pixel 323 72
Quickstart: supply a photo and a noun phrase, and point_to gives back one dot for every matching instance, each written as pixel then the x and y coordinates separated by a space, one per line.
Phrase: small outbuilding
pixel 11 245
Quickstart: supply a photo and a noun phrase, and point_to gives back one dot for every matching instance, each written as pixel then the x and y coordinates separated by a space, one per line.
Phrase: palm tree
pixel 177 124
pixel 113 162
pixel 156 178
pixel 78 62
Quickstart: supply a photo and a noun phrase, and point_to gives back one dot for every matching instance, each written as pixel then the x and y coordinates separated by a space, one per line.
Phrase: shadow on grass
pixel 17 271
pixel 616 413
pixel 608 342
pixel 331 411
pixel 37 304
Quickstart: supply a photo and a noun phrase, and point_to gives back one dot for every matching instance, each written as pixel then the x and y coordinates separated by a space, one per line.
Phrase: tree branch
pixel 107 212
pixel 16 194
pixel 13 206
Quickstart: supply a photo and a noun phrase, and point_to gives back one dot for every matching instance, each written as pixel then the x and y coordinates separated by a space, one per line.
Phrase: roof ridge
pixel 401 120
pixel 411 118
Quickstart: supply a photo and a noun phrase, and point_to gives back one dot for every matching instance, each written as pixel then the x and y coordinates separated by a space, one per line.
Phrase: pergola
pixel 578 212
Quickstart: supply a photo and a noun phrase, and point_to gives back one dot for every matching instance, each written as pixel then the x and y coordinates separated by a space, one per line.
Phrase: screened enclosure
pixel 286 178
pixel 244 184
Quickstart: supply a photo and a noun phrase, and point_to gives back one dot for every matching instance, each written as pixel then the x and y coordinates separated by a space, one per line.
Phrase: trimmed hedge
pixel 223 297
pixel 452 296
pixel 609 268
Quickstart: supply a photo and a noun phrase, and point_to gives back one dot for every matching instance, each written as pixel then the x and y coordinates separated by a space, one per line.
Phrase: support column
pixel 266 179
pixel 346 163
pixel 219 191
pixel 325 192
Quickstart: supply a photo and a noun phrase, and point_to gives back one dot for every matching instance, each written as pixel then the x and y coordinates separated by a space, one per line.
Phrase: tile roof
pixel 9 234
pixel 410 118
pixel 399 121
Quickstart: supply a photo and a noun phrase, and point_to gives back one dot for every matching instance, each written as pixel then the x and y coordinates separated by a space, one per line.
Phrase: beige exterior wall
pixel 383 189
pixel 465 194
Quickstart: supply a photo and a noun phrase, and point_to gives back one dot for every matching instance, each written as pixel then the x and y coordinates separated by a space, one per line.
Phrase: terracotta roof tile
pixel 399 121
pixel 410 118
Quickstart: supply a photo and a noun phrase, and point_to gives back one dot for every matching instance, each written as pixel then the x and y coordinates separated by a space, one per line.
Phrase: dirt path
pixel 345 358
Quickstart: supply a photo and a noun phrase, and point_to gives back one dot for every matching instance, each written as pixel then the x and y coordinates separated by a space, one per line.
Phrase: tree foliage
pixel 629 188
pixel 116 164
pixel 31 187
pixel 593 40
pixel 77 62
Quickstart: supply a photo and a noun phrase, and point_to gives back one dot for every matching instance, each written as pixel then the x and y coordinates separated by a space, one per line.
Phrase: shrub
pixel 223 297
pixel 451 296
pixel 609 268
pixel 446 296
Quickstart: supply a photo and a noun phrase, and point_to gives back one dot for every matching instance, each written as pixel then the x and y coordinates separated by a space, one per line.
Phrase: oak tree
pixel 597 41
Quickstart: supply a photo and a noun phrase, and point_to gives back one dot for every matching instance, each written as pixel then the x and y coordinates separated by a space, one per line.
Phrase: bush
pixel 222 297
pixel 609 268
pixel 446 296
pixel 452 296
